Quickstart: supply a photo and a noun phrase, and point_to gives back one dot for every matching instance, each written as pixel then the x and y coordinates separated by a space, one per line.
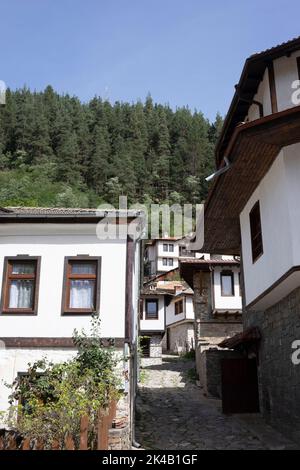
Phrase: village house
pixel 215 281
pixel 55 272
pixel 166 317
pixel 161 255
pixel 253 210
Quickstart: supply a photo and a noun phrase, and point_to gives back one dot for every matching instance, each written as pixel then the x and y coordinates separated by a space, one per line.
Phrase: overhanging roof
pixel 250 79
pixel 189 266
pixel 251 151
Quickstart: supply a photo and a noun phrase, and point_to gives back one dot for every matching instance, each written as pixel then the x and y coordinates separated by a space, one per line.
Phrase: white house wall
pixel 262 96
pixel 278 194
pixel 227 302
pixel 53 243
pixel 286 72
pixel 154 324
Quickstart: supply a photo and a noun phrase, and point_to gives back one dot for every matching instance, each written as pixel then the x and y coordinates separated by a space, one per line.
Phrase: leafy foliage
pixel 55 150
pixel 52 398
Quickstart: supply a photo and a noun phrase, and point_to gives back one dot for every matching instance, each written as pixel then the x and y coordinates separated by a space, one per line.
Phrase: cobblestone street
pixel 173 414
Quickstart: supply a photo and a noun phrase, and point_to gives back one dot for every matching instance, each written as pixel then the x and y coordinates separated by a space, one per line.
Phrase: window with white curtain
pixel 20 285
pixel 81 291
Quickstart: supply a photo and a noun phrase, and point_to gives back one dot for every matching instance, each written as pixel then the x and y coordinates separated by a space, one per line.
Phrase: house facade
pixel 215 281
pixel 161 255
pixel 252 210
pixel 55 272
pixel 166 317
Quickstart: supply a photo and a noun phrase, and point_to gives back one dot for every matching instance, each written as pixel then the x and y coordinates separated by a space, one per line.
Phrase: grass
pixel 192 375
pixel 143 376
pixel 188 355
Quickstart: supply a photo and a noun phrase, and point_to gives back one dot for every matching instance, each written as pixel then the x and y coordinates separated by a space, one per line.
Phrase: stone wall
pixel 209 330
pixel 210 372
pixel 279 378
pixel 182 337
pixel 155 346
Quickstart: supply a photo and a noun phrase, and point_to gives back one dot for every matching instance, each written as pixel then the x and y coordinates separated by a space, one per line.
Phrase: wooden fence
pixel 10 440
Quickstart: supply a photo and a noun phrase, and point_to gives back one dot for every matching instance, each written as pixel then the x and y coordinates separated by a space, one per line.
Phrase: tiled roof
pixel 277 48
pixel 61 211
pixel 196 261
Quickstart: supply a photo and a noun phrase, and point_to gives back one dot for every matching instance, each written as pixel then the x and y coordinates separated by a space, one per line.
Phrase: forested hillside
pixel 57 151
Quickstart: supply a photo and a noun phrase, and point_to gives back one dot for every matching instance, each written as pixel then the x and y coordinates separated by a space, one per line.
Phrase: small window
pixel 81 285
pixel 171 247
pixel 227 284
pixel 170 262
pixel 256 233
pixel 151 309
pixel 20 285
pixel 179 307
pixel 165 247
pixel 165 261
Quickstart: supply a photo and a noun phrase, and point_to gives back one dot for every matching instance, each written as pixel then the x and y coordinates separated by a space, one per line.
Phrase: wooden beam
pixel 272 88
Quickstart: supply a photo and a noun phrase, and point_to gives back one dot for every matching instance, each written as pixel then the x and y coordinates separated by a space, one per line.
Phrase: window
pixel 256 234
pixel 81 285
pixel 151 309
pixel 227 284
pixel 168 247
pixel 170 262
pixel 20 285
pixel 179 307
pixel 165 261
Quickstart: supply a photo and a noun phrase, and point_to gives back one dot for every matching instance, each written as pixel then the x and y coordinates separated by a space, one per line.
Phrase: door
pixel 239 386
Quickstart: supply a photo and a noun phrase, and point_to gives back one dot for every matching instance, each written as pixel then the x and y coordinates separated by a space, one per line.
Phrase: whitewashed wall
pixel 223 302
pixel 161 267
pixel 155 324
pixel 285 69
pixel 166 254
pixel 53 243
pixel 285 72
pixel 278 194
pixel 188 312
pixel 262 96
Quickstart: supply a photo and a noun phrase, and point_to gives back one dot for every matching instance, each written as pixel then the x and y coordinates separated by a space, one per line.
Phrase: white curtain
pixel 21 294
pixel 23 268
pixel 82 294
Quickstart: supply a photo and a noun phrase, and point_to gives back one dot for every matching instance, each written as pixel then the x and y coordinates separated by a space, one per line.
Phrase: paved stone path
pixel 173 414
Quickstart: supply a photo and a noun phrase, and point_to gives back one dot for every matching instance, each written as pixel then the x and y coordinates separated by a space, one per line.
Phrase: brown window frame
pixel 146 309
pixel 257 247
pixel 66 310
pixel 176 307
pixel 8 277
pixel 227 274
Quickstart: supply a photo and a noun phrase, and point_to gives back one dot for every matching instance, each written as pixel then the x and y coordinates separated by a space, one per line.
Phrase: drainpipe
pixel 220 171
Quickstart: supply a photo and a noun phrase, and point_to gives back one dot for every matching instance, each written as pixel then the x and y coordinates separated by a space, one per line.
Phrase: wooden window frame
pixel 258 233
pixel 227 274
pixel 8 277
pixel 176 307
pixel 146 309
pixel 65 309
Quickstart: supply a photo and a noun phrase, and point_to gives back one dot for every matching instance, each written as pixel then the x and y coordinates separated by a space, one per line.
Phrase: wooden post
pixel 26 444
pixel 112 411
pixel 84 427
pixel 2 443
pixel 103 427
pixel 39 445
pixel 69 443
pixel 11 442
pixel 55 445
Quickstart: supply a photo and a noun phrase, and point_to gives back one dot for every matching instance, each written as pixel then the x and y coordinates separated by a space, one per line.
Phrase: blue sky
pixel 185 52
